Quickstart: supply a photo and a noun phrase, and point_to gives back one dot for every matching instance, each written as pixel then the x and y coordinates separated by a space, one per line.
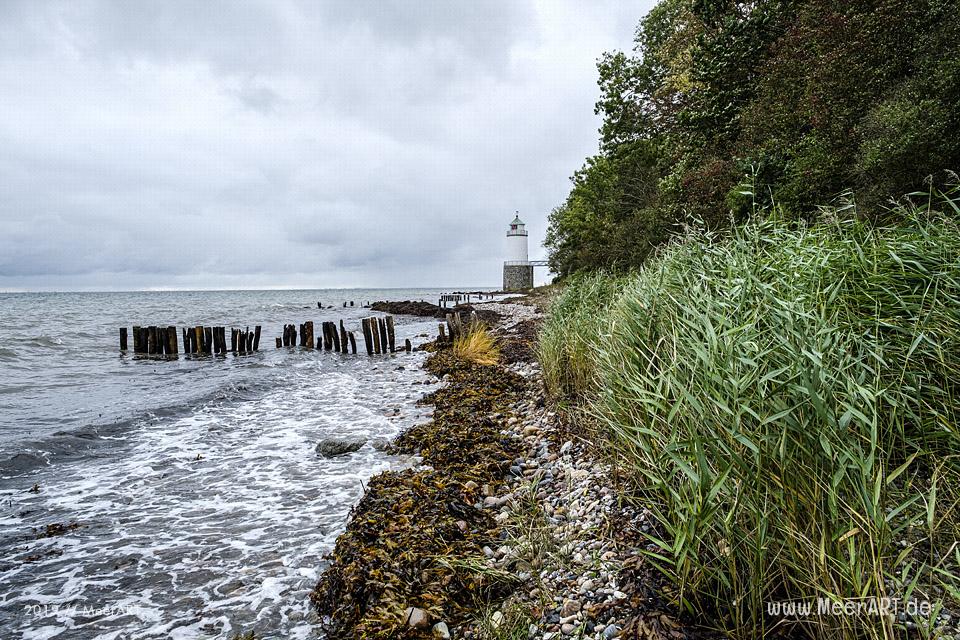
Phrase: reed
pixel 571 332
pixel 786 399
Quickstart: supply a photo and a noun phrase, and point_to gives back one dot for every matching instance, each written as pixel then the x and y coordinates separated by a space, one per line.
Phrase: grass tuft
pixel 477 345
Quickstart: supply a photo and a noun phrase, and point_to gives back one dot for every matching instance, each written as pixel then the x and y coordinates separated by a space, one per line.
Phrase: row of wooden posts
pixel 208 340
pixel 330 306
pixel 454 326
pixel 457 298
pixel 378 337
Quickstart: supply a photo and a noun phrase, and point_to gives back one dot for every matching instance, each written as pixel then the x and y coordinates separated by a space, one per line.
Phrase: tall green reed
pixel 568 339
pixel 786 397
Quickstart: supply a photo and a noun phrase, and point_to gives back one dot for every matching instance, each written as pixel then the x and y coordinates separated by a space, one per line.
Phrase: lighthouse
pixel 517 268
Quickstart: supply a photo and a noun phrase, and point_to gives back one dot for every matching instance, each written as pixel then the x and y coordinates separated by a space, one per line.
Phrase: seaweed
pixel 416 538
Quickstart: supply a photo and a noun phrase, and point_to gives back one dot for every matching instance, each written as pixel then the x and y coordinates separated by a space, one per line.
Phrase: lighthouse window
pixel 514 227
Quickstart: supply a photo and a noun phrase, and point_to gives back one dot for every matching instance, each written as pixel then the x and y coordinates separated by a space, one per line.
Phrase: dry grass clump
pixel 478 345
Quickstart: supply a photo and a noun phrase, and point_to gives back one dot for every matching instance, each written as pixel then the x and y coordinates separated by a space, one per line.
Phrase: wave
pixel 92 439
pixel 45 341
pixel 8 355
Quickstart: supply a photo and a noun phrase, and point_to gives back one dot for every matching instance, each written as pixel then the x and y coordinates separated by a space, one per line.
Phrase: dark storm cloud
pixel 220 144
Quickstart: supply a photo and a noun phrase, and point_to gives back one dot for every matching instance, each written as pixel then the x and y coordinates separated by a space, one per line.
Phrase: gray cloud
pixel 283 143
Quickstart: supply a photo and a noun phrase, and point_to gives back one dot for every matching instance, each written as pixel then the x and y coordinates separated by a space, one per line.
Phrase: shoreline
pixel 510 526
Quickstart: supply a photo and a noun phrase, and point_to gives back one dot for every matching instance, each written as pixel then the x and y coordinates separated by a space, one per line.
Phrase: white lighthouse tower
pixel 517 268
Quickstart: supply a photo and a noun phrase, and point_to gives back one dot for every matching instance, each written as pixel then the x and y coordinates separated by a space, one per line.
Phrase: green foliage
pixel 810 97
pixel 567 341
pixel 607 220
pixel 786 396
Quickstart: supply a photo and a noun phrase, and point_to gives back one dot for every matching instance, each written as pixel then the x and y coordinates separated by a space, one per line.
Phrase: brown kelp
pixel 415 541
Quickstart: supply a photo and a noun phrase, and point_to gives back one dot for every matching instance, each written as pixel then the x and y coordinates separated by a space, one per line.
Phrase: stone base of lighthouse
pixel 517 277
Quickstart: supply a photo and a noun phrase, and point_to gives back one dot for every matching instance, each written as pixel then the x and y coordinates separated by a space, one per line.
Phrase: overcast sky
pixel 279 143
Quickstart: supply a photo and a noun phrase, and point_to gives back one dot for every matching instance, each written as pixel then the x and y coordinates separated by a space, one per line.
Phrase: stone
pixel 440 630
pixel 493 502
pixel 611 631
pixel 568 629
pixel 570 607
pixel 337 447
pixel 416 618
pixel 496 619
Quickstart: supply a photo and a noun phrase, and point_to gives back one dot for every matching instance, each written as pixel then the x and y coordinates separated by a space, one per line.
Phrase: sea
pixel 184 498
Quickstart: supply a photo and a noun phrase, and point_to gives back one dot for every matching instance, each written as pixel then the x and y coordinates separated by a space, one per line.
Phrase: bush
pixel 786 398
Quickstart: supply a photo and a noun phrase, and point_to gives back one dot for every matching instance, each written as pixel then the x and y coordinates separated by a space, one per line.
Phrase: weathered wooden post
pixel 256 338
pixel 391 336
pixel 375 330
pixel 367 338
pixel 407 346
pixel 151 340
pixel 336 337
pixel 443 334
pixel 249 340
pixel 123 338
pixel 383 335
pixel 327 338
pixel 308 334
pixel 353 343
pixel 343 337
pixel 279 342
pixel 136 339
pixel 172 340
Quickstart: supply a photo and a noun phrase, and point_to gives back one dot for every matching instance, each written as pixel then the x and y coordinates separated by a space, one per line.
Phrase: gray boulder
pixel 334 447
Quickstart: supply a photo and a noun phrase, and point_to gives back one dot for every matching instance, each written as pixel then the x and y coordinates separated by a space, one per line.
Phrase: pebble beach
pixel 562 548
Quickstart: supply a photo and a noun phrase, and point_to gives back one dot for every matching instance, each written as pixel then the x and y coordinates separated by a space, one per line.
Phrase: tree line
pixel 725 107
